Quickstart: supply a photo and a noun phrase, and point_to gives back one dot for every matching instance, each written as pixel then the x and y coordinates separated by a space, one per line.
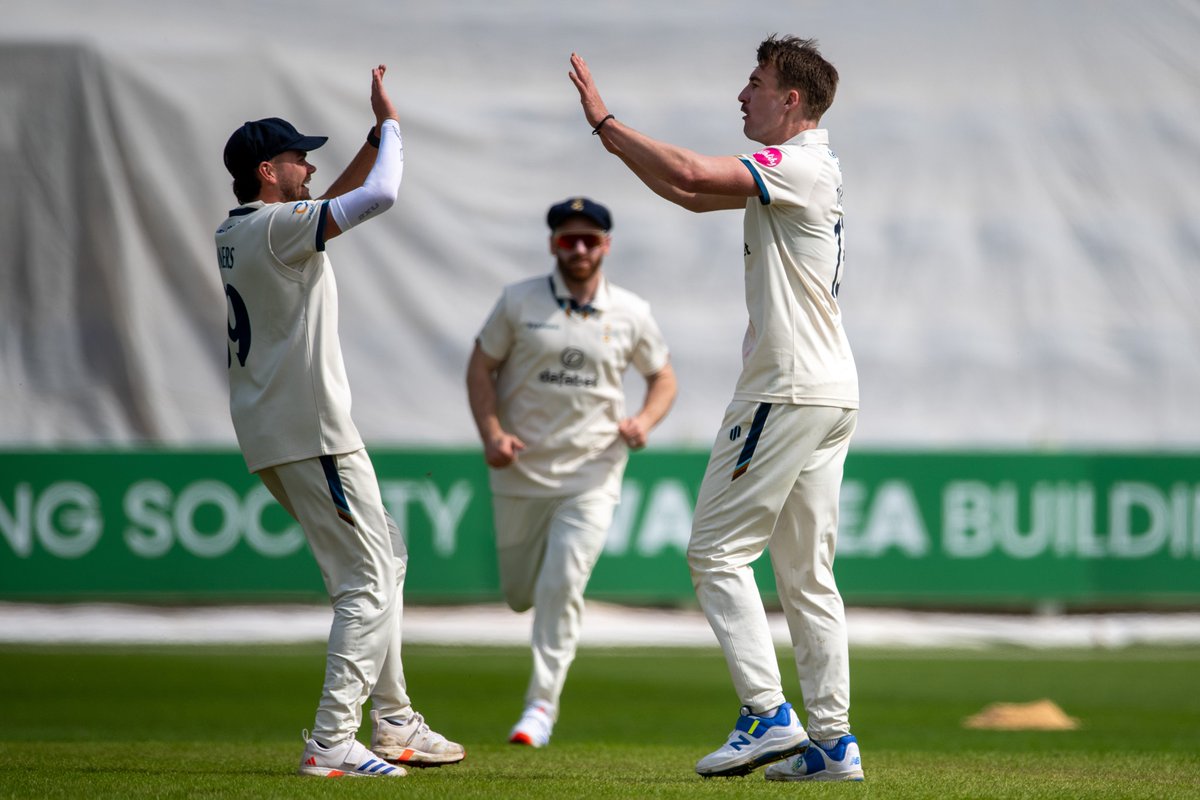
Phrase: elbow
pixel 692 196
pixel 693 174
pixel 692 202
pixel 386 197
pixel 376 200
pixel 382 192
pixel 689 180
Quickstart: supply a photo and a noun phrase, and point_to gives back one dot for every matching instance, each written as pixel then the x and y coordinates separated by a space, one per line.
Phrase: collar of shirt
pixel 247 208
pixel 567 303
pixel 810 136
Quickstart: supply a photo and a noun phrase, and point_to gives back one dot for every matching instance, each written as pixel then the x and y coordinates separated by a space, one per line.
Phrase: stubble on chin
pixel 579 271
pixel 297 195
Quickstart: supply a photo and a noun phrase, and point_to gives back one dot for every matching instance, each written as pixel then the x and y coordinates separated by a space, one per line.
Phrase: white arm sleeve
pixel 378 192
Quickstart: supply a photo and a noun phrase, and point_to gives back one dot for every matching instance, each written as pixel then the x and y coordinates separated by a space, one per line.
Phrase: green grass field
pixel 208 722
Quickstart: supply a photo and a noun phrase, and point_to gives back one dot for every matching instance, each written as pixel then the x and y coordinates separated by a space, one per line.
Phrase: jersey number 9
pixel 239 327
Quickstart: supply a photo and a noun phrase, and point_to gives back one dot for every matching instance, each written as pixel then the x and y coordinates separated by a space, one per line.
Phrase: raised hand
pixel 589 97
pixel 381 104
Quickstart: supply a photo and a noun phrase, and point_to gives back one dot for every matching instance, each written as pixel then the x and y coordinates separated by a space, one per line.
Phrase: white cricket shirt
pixel 560 387
pixel 795 350
pixel 288 392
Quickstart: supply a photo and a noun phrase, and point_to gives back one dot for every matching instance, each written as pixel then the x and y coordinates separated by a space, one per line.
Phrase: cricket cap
pixel 578 207
pixel 262 140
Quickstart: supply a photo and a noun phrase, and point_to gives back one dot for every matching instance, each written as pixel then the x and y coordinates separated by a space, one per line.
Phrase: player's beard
pixel 300 192
pixel 295 192
pixel 578 269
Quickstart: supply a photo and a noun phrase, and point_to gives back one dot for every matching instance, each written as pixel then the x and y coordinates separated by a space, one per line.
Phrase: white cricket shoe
pixel 533 728
pixel 756 741
pixel 345 760
pixel 841 762
pixel 412 743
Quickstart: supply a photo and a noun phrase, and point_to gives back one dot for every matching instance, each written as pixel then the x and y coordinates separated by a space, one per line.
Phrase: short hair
pixel 246 187
pixel 800 66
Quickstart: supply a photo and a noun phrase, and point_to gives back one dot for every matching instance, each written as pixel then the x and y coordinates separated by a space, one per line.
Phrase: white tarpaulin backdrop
pixel 1022 199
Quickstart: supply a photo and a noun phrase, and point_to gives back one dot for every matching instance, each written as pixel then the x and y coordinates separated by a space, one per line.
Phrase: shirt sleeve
pixel 785 175
pixel 298 231
pixel 496 337
pixel 650 354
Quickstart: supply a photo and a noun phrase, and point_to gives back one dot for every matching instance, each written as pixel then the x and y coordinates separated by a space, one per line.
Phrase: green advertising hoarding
pixel 932 529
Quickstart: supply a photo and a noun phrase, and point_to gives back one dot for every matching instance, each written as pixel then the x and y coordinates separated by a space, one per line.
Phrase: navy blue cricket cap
pixel 262 140
pixel 578 207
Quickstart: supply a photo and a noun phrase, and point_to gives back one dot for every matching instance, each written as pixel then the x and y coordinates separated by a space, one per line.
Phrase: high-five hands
pixel 381 104
pixel 589 96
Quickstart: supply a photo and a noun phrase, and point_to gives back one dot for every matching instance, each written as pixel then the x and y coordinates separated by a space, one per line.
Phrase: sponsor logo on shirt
pixel 303 206
pixel 564 378
pixel 573 359
pixel 535 326
pixel 769 156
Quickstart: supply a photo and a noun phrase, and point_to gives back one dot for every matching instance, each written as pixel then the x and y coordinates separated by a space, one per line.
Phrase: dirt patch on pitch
pixel 1040 715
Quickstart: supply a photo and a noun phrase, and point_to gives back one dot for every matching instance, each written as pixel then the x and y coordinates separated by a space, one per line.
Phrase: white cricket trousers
pixel 773 482
pixel 362 557
pixel 547 548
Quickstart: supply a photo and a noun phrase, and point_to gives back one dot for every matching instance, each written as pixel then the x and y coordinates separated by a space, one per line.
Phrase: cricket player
pixel 545 388
pixel 775 471
pixel 290 402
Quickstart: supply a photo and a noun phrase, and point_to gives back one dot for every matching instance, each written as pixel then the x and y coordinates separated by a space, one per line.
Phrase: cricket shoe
pixel 756 741
pixel 841 762
pixel 346 760
pixel 412 743
pixel 533 728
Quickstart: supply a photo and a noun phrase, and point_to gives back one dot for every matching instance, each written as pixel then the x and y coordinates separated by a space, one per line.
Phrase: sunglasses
pixel 568 241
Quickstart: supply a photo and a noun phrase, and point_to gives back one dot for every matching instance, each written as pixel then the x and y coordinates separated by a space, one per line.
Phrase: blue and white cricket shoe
pixel 841 762
pixel 349 759
pixel 755 741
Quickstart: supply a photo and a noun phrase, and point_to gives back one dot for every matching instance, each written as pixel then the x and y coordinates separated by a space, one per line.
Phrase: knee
pixel 365 606
pixel 700 558
pixel 518 604
pixel 518 598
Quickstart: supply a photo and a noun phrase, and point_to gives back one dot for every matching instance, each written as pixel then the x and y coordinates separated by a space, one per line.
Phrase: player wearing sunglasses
pixel 546 390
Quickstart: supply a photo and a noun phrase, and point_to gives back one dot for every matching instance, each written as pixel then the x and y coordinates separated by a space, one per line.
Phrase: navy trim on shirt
pixel 324 212
pixel 764 196
pixel 571 304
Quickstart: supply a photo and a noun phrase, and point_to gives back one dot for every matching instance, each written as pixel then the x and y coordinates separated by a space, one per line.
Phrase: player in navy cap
pixel 546 390
pixel 579 207
pixel 290 402
pixel 259 141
